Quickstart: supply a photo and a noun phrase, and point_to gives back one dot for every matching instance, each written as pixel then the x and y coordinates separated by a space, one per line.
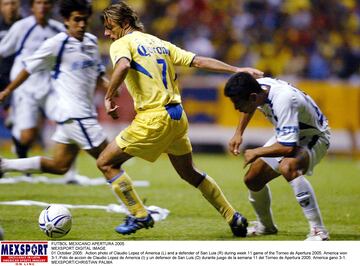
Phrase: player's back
pixel 283 97
pixel 152 80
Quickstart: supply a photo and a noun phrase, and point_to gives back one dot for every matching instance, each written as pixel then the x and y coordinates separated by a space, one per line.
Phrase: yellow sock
pixel 212 192
pixel 124 189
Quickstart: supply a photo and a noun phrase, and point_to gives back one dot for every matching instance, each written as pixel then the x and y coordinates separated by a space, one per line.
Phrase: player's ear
pixel 66 23
pixel 253 97
pixel 125 24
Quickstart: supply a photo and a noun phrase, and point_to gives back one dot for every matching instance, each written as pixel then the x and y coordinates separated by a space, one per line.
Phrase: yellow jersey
pixel 151 80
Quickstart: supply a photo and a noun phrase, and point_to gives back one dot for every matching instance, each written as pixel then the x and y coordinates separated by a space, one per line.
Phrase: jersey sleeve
pixel 286 112
pixel 120 49
pixel 43 59
pixel 8 44
pixel 178 56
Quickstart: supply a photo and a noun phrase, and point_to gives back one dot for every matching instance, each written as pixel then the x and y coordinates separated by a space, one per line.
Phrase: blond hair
pixel 121 14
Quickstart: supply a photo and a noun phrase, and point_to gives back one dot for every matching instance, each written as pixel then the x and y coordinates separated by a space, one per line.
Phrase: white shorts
pixel 86 133
pixel 29 100
pixel 316 147
pixel 26 110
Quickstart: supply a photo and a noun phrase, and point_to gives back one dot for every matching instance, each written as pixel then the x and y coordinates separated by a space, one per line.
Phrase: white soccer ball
pixel 55 221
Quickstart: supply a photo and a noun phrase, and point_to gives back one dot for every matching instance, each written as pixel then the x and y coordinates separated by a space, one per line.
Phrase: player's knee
pixel 252 183
pixel 289 169
pixel 102 164
pixel 192 176
pixel 27 137
pixel 26 141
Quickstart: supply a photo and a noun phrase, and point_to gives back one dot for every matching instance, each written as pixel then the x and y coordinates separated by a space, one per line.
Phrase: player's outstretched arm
pixel 237 139
pixel 215 65
pixel 21 77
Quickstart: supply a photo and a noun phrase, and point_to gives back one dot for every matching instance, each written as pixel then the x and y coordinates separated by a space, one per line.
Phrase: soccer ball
pixel 55 221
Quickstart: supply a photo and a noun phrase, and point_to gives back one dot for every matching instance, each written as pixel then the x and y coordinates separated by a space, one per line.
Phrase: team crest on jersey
pixel 17 252
pixel 70 50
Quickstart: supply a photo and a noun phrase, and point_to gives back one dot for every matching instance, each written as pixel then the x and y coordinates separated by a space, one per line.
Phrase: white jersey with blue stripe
pixel 75 67
pixel 23 38
pixel 293 113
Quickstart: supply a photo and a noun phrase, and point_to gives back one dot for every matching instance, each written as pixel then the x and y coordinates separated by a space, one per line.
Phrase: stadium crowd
pixel 312 39
pixel 315 39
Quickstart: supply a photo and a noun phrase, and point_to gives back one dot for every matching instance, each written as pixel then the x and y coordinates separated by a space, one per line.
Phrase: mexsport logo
pixel 24 252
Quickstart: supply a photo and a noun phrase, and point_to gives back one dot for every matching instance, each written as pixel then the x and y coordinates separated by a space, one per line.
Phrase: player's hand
pixel 235 143
pixel 3 95
pixel 249 156
pixel 111 108
pixel 252 71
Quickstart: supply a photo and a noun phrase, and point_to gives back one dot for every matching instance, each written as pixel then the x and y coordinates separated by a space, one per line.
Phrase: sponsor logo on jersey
pixel 82 64
pixel 148 50
pixel 286 130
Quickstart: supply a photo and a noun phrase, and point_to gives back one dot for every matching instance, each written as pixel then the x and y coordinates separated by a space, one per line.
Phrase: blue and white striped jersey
pixel 74 67
pixel 294 114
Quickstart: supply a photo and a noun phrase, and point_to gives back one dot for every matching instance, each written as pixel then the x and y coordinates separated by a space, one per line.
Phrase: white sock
pixel 261 202
pixel 305 195
pixel 27 165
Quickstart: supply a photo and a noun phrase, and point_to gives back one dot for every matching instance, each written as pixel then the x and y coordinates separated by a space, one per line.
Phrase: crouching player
pixel 301 141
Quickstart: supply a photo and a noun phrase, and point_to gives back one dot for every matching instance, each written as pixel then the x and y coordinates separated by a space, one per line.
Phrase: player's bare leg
pixel 109 162
pixel 293 169
pixel 184 166
pixel 95 152
pixel 27 139
pixel 61 160
pixel 64 155
pixel 256 178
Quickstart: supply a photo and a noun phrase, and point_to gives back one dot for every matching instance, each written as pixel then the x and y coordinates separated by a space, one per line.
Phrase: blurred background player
pixel 9 14
pixel 31 99
pixel 74 61
pixel 301 141
pixel 146 64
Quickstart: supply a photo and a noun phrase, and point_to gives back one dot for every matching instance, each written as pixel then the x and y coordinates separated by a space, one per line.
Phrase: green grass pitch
pixel 335 181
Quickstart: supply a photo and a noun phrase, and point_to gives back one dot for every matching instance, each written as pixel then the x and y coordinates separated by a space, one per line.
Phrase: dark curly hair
pixel 241 85
pixel 32 2
pixel 68 6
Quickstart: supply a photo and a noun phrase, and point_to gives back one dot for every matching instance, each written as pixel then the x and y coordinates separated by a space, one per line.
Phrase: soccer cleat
pixel 318 235
pixel 132 224
pixel 258 229
pixel 239 225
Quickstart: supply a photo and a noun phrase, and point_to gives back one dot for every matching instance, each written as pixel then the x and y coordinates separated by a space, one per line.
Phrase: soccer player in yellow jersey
pixel 146 64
